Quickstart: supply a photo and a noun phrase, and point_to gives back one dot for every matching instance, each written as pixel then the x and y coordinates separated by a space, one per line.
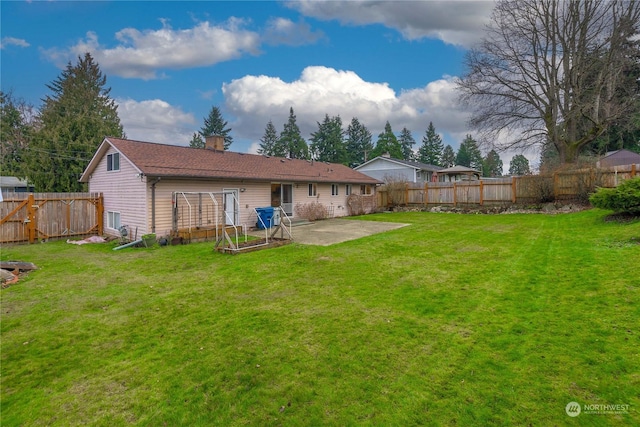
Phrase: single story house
pixel 458 173
pixel 384 167
pixel 618 158
pixel 140 181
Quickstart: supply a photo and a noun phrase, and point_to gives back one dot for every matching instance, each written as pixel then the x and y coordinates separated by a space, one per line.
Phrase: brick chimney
pixel 214 142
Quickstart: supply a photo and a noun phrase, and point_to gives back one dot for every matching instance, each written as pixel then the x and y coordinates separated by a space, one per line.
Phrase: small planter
pixel 148 240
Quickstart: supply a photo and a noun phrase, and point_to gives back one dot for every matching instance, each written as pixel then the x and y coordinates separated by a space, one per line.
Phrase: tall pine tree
pixel 15 133
pixel 214 124
pixel 492 165
pixel 519 165
pixel 407 142
pixel 387 144
pixel 469 154
pixel 196 141
pixel 327 144
pixel 431 150
pixel 269 141
pixel 358 144
pixel 291 138
pixel 74 119
pixel 448 158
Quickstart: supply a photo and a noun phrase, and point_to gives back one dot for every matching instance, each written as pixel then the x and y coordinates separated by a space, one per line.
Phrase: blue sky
pixel 168 63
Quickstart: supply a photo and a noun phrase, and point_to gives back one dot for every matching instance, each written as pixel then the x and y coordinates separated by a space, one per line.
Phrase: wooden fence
pixel 561 186
pixel 31 217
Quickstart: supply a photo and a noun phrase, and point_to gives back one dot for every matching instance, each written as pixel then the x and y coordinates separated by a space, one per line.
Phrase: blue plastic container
pixel 266 215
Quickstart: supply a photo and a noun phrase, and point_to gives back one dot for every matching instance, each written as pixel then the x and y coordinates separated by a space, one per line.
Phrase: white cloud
pixel 155 120
pixel 254 100
pixel 12 41
pixel 141 54
pixel 282 31
pixel 454 22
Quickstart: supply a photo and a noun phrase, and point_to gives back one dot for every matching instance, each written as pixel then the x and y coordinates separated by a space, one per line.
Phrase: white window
pixel 113 220
pixel 334 189
pixel 113 162
pixel 312 190
pixel 347 189
pixel 365 189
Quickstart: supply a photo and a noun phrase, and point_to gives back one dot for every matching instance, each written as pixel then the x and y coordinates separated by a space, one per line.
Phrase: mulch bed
pixel 622 217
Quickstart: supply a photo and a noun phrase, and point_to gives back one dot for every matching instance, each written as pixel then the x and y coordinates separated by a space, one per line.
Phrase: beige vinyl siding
pixel 323 195
pixel 123 192
pixel 255 195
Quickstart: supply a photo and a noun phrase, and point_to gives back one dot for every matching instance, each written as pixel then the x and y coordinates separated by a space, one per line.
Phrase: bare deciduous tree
pixel 553 72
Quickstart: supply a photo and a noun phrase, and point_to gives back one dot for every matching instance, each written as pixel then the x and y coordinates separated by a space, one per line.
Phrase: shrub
pixel 312 211
pixel 396 189
pixel 624 198
pixel 361 204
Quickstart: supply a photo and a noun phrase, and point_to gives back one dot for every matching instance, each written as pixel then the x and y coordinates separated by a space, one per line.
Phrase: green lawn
pixel 454 320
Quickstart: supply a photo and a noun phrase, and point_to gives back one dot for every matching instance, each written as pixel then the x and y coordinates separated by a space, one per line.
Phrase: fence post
pixel 513 189
pixel 31 218
pixel 406 194
pixel 555 186
pixel 481 193
pixel 633 170
pixel 426 194
pixel 455 194
pixel 100 214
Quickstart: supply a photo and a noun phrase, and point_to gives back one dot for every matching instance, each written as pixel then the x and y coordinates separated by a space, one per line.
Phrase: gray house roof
pixel 411 164
pixel 458 169
pixel 619 158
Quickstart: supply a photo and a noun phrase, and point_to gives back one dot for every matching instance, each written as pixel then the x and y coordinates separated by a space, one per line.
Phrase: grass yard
pixel 464 320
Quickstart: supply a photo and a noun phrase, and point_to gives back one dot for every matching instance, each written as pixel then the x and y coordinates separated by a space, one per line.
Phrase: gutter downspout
pixel 153 204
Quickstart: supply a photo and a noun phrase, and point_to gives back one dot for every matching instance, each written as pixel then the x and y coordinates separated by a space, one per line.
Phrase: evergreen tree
pixel 469 154
pixel 387 143
pixel 269 141
pixel 214 124
pixel 519 165
pixel 291 138
pixel 492 165
pixel 448 158
pixel 432 147
pixel 196 141
pixel 327 144
pixel 15 133
pixel 74 119
pixel 358 144
pixel 407 142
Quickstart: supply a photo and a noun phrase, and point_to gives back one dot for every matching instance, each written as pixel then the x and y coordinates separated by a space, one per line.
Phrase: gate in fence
pixel 31 217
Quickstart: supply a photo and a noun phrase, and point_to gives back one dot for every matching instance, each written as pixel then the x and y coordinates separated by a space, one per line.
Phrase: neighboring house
pixel 138 180
pixel 384 167
pixel 11 184
pixel 618 158
pixel 458 173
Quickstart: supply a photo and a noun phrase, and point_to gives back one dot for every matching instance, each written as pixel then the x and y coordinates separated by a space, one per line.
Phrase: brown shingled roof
pixel 185 162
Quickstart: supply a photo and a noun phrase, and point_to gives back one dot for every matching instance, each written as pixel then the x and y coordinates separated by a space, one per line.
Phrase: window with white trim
pixel 347 189
pixel 113 220
pixel 113 162
pixel 313 190
pixel 365 189
pixel 334 189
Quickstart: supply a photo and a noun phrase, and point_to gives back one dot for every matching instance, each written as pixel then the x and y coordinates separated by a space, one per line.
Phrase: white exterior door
pixel 231 206
pixel 287 198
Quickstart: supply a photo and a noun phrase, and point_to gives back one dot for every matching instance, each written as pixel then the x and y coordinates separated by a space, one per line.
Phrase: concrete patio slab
pixel 331 231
